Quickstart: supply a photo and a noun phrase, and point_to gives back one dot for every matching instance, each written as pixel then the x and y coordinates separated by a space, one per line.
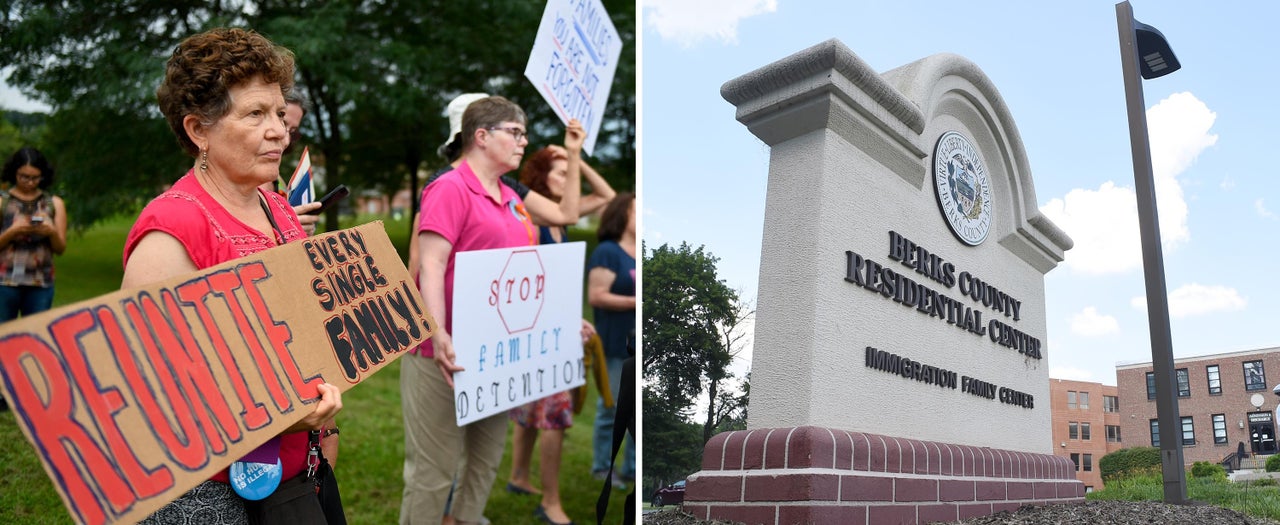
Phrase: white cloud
pixel 1071 374
pixel 1263 211
pixel 1089 323
pixel 1104 225
pixel 1196 299
pixel 1227 183
pixel 1104 222
pixel 688 21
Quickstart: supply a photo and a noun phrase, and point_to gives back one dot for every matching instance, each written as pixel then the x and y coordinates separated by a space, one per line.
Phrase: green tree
pixel 723 404
pixel 684 306
pixel 10 139
pixel 672 445
pixel 693 329
pixel 378 74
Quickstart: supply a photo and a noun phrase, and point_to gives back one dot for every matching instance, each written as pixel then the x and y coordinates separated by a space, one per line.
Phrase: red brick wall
pixel 1097 445
pixel 821 475
pixel 1137 411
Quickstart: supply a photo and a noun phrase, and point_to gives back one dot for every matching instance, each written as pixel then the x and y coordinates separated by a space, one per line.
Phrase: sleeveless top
pixel 212 235
pixel 28 260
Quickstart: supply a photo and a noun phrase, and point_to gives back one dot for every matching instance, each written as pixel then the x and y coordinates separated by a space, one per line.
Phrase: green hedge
pixel 1273 463
pixel 1129 461
pixel 1205 469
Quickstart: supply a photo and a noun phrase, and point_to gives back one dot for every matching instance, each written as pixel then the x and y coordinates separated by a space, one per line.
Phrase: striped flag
pixel 301 188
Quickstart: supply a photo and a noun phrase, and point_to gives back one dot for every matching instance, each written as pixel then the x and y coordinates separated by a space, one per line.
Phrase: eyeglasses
pixel 515 132
pixel 30 178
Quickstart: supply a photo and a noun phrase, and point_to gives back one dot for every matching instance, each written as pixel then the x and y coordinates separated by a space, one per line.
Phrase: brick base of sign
pixel 784 476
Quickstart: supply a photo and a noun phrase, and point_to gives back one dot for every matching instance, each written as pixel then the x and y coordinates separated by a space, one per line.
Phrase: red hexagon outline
pixel 541 302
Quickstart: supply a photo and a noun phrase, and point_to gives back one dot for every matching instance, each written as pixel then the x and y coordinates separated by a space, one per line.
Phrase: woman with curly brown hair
pixel 223 96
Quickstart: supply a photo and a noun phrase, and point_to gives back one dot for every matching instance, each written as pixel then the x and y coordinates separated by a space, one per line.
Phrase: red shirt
pixel 213 236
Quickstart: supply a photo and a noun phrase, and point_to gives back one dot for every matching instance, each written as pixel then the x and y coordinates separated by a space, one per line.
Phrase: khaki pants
pixel 435 447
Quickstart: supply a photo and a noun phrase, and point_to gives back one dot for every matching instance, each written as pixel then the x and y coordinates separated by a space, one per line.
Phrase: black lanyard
pixel 274 227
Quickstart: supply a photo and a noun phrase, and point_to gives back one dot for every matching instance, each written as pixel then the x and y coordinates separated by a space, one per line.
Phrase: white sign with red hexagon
pixel 517 322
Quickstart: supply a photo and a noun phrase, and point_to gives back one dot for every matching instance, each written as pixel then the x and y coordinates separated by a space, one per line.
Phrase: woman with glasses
pixel 34 229
pixel 465 209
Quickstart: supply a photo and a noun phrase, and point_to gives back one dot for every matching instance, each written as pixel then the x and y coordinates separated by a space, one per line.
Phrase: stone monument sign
pixel 900 368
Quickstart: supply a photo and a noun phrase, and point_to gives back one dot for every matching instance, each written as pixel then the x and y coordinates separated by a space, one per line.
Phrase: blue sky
pixel 1057 66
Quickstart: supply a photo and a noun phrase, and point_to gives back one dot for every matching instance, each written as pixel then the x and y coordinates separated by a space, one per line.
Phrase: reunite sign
pixel 517 319
pixel 135 397
pixel 573 61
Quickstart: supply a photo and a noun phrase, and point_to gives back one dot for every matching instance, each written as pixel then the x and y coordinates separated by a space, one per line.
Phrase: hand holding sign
pixel 328 407
pixel 574 136
pixel 442 345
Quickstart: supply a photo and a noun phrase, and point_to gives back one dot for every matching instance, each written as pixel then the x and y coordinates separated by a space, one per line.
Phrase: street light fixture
pixel 1144 53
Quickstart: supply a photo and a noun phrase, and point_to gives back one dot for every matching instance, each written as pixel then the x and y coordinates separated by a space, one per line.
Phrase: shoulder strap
pixel 271 218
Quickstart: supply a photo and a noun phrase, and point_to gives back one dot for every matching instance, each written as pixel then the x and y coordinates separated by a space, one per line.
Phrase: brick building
pixel 1217 405
pixel 1086 425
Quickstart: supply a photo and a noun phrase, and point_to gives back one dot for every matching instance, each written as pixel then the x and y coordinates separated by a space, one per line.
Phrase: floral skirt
pixel 549 413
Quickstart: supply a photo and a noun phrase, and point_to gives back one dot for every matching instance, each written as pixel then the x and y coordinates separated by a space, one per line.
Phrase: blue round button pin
pixel 254 481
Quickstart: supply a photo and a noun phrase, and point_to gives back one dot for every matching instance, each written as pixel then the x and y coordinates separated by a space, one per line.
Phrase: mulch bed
pixel 1091 512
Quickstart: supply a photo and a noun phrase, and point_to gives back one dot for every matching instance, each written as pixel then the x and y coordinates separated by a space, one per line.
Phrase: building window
pixel 1155 432
pixel 1215 380
pixel 1084 431
pixel 1255 378
pixel 1075 458
pixel 1184 382
pixel 1113 433
pixel 1110 404
pixel 1071 399
pixel 1219 429
pixel 1084 401
pixel 1151 385
pixel 1088 462
pixel 1073 430
pixel 1188 431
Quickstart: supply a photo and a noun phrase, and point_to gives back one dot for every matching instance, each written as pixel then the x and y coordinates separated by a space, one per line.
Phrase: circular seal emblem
pixel 964 192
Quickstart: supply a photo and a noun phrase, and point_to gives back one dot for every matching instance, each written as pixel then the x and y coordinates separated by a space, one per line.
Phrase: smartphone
pixel 333 197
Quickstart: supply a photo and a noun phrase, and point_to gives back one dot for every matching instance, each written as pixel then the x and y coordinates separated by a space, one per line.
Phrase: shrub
pixel 1204 469
pixel 1263 482
pixel 1128 462
pixel 1273 463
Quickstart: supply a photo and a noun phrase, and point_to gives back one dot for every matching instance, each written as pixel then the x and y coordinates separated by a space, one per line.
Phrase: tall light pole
pixel 1144 53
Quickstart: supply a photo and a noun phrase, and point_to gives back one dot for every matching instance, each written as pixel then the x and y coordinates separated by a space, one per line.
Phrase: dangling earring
pixel 204 160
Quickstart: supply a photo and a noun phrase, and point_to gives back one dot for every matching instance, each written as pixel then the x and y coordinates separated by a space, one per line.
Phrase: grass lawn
pixel 1259 498
pixel 372 446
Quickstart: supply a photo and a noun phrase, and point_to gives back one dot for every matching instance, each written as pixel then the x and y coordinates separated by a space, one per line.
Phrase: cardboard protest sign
pixel 573 61
pixel 517 317
pixel 135 397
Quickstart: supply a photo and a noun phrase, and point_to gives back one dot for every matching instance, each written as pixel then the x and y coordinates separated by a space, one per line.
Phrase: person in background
pixel 465 209
pixel 33 228
pixel 545 211
pixel 611 291
pixel 223 97
pixel 545 173
pixel 295 107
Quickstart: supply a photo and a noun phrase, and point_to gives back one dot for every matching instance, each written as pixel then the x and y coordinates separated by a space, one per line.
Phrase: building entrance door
pixel 1262 433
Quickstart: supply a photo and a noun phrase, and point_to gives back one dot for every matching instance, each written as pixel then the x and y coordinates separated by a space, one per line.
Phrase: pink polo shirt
pixel 457 207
